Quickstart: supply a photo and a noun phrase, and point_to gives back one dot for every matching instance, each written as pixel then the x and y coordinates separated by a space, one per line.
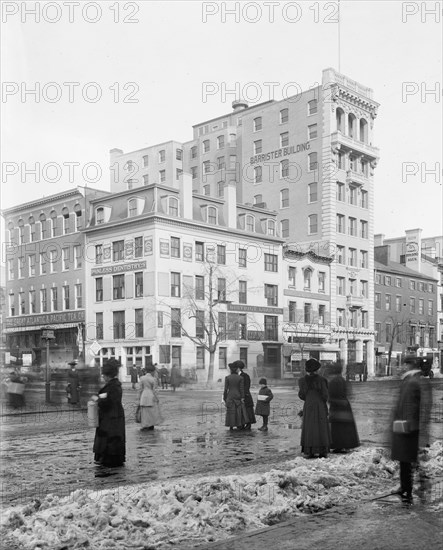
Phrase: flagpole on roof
pixel 338 32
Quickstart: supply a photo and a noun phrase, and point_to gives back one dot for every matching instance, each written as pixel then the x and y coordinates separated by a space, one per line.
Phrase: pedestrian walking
pixel 73 387
pixel 164 377
pixel 175 378
pixel 263 407
pixel 249 402
pixel 15 385
pixel 234 399
pixel 149 402
pixel 313 390
pixel 344 433
pixel 410 426
pixel 110 439
pixel 134 377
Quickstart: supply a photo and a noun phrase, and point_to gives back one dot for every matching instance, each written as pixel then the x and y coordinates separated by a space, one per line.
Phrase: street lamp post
pixel 47 334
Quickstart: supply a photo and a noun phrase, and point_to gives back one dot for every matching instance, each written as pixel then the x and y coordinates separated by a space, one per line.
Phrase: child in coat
pixel 263 408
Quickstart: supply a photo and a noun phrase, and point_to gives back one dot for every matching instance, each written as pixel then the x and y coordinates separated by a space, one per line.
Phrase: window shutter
pixel 129 285
pixel 107 281
pixel 148 283
pixel 163 284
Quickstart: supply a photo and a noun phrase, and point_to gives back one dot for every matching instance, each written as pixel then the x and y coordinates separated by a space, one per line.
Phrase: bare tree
pixel 398 327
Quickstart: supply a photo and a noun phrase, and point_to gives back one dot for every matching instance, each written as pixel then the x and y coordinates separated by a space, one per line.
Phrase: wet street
pixel 46 453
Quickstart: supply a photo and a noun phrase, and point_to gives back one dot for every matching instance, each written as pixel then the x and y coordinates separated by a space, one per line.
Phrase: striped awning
pixel 40 327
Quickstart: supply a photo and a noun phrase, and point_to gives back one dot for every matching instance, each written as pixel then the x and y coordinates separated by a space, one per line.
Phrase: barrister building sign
pixel 282 152
pixel 255 309
pixel 118 268
pixel 46 319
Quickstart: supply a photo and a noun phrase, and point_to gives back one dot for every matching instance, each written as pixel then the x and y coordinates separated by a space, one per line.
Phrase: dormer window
pixel 100 215
pixel 173 206
pixel 250 224
pixel 270 228
pixel 210 214
pixel 132 208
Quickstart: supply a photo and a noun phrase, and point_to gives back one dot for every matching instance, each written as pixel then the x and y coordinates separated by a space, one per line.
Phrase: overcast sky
pixel 151 74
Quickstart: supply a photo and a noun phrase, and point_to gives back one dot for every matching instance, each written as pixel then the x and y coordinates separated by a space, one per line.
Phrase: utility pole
pixel 47 334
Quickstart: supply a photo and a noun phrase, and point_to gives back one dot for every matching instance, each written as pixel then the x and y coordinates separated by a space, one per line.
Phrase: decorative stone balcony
pixel 339 139
pixel 355 302
pixel 356 177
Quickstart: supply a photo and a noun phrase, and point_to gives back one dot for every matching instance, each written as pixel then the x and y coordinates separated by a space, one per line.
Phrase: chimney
pixel 379 239
pixel 230 206
pixel 239 105
pixel 185 187
pixel 381 254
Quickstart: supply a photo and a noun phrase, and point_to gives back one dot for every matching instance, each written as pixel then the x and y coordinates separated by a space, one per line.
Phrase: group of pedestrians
pixel 163 376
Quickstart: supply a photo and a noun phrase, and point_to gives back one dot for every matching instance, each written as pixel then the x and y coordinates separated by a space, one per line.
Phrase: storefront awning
pixel 39 327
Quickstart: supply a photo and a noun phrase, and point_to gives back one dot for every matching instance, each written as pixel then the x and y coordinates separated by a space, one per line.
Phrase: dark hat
pixel 236 365
pixel 111 368
pixel 263 381
pixel 72 363
pixel 312 365
pixel 150 368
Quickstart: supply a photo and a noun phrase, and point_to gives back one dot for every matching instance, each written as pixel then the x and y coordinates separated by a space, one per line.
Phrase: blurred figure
pixel 73 387
pixel 313 390
pixel 16 389
pixel 234 399
pixel 149 401
pixel 249 402
pixel 134 377
pixel 343 429
pixel 164 377
pixel 410 425
pixel 263 407
pixel 110 438
pixel 175 378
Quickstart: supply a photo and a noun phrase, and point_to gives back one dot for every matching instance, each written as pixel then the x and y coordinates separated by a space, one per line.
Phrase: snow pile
pixel 154 516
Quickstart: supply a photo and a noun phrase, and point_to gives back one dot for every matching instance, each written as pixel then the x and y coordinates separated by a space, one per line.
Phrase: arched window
pixel 173 206
pixel 100 215
pixel 78 217
pixel 270 228
pixel 340 119
pixel 11 228
pixel 284 228
pixel 363 131
pixel 65 214
pixel 43 226
pixel 31 222
pixel 250 223
pixel 21 231
pixel 53 223
pixel 132 208
pixel 352 126
pixel 212 215
pixel 284 198
pixel 307 277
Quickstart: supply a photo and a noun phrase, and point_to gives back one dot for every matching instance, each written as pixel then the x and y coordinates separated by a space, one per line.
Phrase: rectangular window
pixel 138 247
pixel 54 299
pixel 352 195
pixel 364 289
pixel 99 289
pixel 421 306
pixel 292 311
pixel 200 324
pixel 341 257
pixel 162 176
pixel 199 252
pixel 388 332
pixel 31 259
pixel 271 327
pixel 340 223
pixel 364 259
pixel 398 304
pixel 271 262
pixel 138 284
pixel 179 154
pixel 257 124
pixel 99 326
pixel 65 259
pixel 364 199
pixel 176 323
pixel 388 302
pixel 176 353
pixel 78 296
pixel 244 355
pixel 222 325
pixel 312 190
pixel 161 155
pixel 139 323
pixel 194 172
pixel 312 224
pixel 284 168
pixel 388 280
pixel 430 307
pixel 258 147
pixel 242 292
pixel 221 289
pixel 341 286
pixel 307 314
pixel 222 358
pixel 175 247
pixel 164 354
pixel 118 285
pixel 118 248
pixel 220 142
pixel 352 257
pixel 242 257
pixel 353 227
pixel 312 131
pixel 321 314
pixel 378 332
pixel 284 116
pixel 352 287
pixel 291 275
pixel 159 319
pixel 412 304
pixel 199 287
pixel 312 107
pixel 200 357
pixel 340 317
pixel 364 229
pixel 175 284
pixel 66 297
pixel 119 325
pixel 271 295
pixel 42 263
pixel 340 192
pixel 77 256
pixel 221 254
pixel 321 281
pixel 364 319
pixel 284 139
pixel 98 254
pixel 377 300
pixel 44 300
pixel 52 260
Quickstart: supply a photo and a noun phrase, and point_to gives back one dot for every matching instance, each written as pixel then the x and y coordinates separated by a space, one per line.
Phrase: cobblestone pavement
pixel 52 452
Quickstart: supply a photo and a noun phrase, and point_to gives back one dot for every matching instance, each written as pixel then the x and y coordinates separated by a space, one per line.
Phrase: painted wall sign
pixel 46 319
pixel 112 269
pixel 255 309
pixel 282 152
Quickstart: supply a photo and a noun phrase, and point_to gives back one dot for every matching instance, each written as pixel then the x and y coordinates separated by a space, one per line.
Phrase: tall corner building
pixel 311 159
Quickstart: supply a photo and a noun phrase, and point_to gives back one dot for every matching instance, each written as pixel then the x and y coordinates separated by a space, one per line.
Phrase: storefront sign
pixel 255 309
pixel 45 319
pixel 112 269
pixel 283 152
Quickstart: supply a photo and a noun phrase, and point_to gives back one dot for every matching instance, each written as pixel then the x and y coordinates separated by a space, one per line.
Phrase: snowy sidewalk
pixel 369 526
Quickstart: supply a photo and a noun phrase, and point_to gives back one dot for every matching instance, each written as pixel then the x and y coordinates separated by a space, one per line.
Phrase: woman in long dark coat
pixel 73 384
pixel 234 399
pixel 344 433
pixel 110 440
pixel 249 402
pixel 313 390
pixel 410 426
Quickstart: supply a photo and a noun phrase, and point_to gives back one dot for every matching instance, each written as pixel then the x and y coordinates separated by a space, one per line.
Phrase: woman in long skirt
pixel 249 402
pixel 149 402
pixel 234 399
pixel 313 390
pixel 344 433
